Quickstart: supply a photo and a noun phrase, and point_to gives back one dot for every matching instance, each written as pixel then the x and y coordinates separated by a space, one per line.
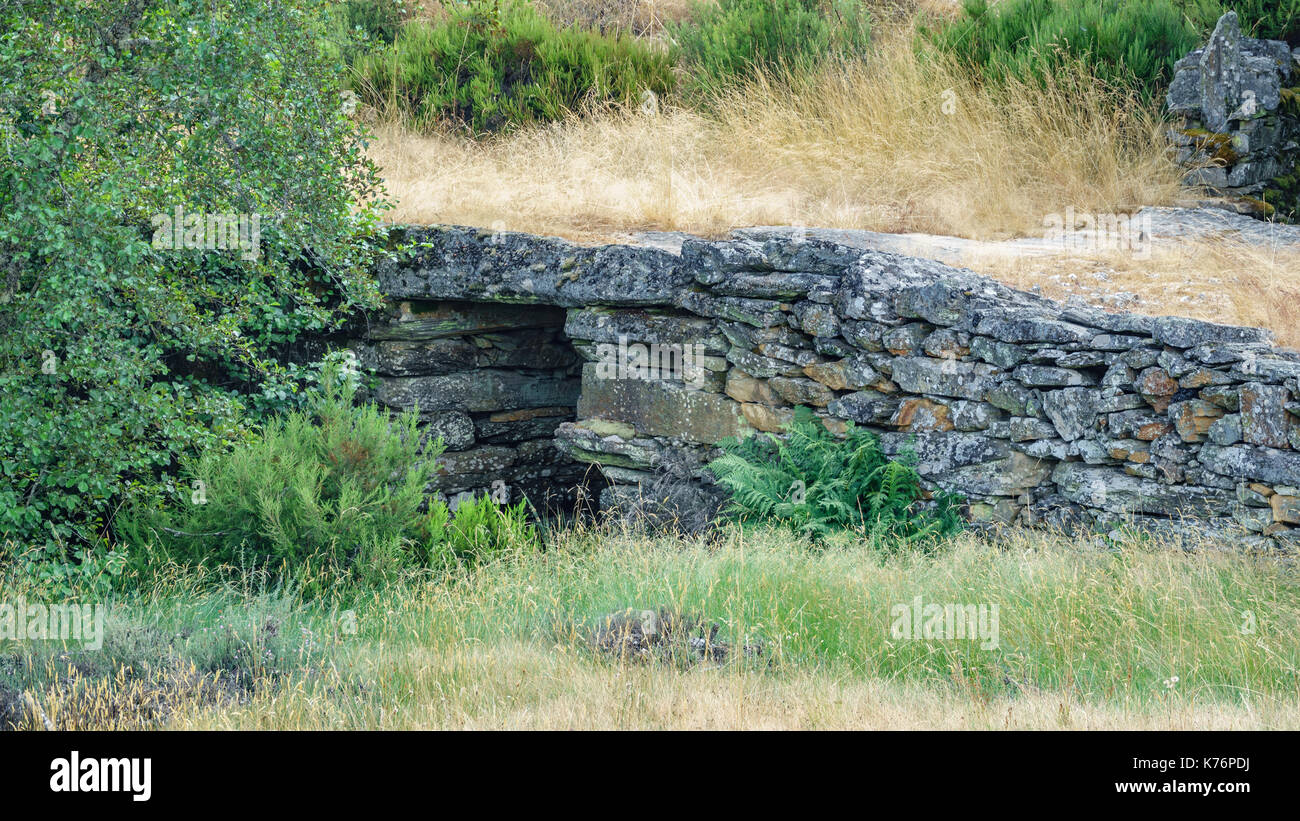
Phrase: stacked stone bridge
pixel 548 366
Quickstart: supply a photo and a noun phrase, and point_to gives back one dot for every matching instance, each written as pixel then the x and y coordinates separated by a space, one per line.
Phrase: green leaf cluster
pixel 118 354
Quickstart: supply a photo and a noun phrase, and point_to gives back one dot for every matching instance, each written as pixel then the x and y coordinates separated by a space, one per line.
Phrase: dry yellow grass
pixel 529 687
pixel 888 144
pixel 1225 282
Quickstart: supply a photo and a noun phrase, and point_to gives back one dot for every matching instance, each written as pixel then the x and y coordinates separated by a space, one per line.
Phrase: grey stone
pixel 1252 462
pixel 1009 326
pixel 1119 401
pixel 657 408
pixel 1116 491
pixel 972 416
pixel 762 366
pixel 455 428
pixel 865 407
pixel 801 391
pixel 1115 342
pixel 818 320
pixel 1263 414
pixel 968 463
pixel 964 380
pixel 1015 399
pixel 905 339
pixel 646 326
pixel 785 285
pixel 761 313
pixel 1025 428
pixel 946 343
pixel 1049 376
pixel 482 390
pixel 1137 424
pixel 1002 354
pixel 462 263
pixel 1118 375
pixel 1181 332
pixel 1073 411
pixel 1226 430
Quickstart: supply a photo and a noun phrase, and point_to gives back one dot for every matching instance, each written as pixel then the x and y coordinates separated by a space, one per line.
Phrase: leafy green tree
pixel 118 351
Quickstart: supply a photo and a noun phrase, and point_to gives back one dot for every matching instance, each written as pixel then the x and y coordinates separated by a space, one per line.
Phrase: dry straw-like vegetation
pixel 890 143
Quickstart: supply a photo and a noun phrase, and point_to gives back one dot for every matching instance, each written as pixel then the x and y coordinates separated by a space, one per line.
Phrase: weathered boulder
pixel 1237 136
pixel 1073 411
pixel 1252 462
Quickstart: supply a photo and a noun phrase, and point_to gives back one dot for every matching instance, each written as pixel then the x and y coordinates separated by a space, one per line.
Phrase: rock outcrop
pixel 1239 100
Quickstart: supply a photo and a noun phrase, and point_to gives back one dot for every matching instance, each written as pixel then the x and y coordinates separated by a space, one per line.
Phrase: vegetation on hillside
pixel 1135 44
pixel 1134 637
pixel 491 65
pixel 727 41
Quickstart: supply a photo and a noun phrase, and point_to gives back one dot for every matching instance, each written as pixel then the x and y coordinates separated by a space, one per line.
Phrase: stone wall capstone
pixel 537 359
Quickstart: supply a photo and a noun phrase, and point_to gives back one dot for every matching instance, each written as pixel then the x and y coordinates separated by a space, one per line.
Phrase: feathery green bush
pixel 1134 45
pixel 335 489
pixel 1269 19
pixel 491 65
pixel 818 485
pixel 732 39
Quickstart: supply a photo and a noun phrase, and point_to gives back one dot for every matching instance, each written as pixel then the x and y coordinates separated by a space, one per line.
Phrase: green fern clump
pixel 480 529
pixel 820 485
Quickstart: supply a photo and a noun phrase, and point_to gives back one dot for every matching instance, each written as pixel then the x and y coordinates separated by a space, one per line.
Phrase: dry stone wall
pixel 538 359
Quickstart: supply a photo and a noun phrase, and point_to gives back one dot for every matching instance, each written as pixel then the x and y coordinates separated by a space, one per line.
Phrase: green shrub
pixel 818 485
pixel 727 41
pixel 1270 19
pixel 1134 45
pixel 492 65
pixel 330 492
pixel 333 490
